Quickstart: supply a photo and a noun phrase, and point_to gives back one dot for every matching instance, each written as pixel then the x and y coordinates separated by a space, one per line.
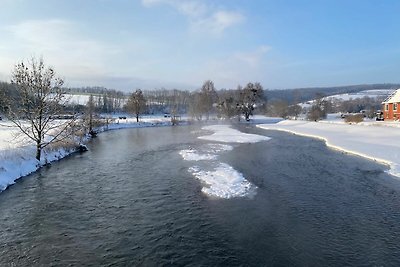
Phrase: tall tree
pixel 228 104
pixel 136 103
pixel 195 110
pixel 318 110
pixel 251 96
pixel 89 114
pixel 38 99
pixel 208 96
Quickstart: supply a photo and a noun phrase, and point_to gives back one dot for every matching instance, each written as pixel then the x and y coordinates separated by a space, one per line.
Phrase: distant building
pixel 391 106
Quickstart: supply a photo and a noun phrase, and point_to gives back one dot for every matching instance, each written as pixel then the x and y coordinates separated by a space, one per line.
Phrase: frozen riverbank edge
pixel 374 142
pixel 19 162
pixel 369 141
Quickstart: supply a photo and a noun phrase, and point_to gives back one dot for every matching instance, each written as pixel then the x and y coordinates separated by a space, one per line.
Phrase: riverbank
pixel 17 156
pixel 377 142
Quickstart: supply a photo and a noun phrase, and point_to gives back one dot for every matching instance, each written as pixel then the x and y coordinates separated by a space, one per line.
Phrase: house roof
pixel 393 98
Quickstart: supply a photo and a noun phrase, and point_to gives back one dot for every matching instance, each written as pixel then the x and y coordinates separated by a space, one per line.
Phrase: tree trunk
pixel 247 116
pixel 38 151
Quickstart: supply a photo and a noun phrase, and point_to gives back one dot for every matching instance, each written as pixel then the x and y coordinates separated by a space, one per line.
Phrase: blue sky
pixel 129 44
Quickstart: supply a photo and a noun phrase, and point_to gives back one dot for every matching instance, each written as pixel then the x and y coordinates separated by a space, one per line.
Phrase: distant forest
pixel 292 96
pixel 186 102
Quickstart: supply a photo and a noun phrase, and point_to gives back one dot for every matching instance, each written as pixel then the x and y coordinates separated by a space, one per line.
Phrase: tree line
pixel 35 99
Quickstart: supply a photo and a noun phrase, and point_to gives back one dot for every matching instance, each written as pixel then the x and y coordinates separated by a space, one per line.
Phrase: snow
pixel 383 93
pixel 83 99
pixel 207 152
pixel 77 99
pixel 366 93
pixel 395 98
pixel 19 162
pixel 373 140
pixel 223 182
pixel 192 155
pixel 224 133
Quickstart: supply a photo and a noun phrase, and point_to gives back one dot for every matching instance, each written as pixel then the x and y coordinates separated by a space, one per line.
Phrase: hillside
pixel 298 95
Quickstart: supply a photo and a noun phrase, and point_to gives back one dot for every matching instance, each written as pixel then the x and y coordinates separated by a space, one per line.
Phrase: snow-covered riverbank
pixel 17 155
pixel 373 141
pixel 376 141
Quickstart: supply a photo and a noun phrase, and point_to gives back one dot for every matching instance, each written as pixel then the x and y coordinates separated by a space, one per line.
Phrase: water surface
pixel 131 201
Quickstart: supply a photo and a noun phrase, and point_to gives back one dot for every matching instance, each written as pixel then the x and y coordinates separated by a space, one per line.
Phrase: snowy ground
pixel 373 140
pixel 366 93
pixel 383 93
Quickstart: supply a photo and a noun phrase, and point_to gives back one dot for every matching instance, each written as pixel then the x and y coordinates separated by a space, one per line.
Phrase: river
pixel 132 201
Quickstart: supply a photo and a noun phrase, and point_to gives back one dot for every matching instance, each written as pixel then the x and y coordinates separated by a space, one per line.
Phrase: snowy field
pixel 83 99
pixel 382 93
pixel 373 140
pixel 367 93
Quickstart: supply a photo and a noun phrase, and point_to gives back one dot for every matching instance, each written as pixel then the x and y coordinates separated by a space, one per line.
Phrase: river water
pixel 132 201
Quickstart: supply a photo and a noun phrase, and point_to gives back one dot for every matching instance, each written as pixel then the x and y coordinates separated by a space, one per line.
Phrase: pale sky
pixel 129 44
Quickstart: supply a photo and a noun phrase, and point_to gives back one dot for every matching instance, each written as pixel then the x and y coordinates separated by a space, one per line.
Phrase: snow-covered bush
pixel 356 118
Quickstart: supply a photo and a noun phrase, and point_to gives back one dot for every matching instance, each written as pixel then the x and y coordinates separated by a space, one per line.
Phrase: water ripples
pixel 141 206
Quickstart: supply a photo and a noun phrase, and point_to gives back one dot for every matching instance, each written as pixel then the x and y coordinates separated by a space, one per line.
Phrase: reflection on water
pixel 131 201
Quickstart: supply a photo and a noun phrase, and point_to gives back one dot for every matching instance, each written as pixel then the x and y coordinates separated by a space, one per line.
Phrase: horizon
pixel 174 44
pixel 396 86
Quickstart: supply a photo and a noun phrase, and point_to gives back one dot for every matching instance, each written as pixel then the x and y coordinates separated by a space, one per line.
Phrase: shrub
pixel 354 118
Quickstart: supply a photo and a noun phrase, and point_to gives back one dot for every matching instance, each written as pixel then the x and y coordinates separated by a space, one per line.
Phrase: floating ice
pixel 207 152
pixel 216 148
pixel 224 133
pixel 192 155
pixel 223 182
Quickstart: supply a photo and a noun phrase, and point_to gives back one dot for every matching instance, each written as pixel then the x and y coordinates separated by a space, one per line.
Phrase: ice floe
pixel 224 133
pixel 192 155
pixel 223 182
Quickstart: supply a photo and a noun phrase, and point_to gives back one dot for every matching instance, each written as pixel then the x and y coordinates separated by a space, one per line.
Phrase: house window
pixel 386 107
pixel 395 106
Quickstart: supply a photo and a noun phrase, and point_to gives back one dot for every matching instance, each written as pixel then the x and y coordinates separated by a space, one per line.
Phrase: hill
pixel 298 95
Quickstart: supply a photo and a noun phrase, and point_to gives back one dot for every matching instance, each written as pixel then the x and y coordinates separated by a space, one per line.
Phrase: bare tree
pixel 37 103
pixel 195 109
pixel 294 110
pixel 208 96
pixel 251 96
pixel 318 110
pixel 278 108
pixel 89 113
pixel 228 104
pixel 136 103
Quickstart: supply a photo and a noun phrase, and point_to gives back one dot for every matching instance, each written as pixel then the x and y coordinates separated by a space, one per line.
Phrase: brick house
pixel 391 106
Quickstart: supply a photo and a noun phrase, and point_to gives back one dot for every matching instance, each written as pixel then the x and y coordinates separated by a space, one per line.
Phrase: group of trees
pixel 321 105
pixel 227 103
pixel 36 97
pixel 282 109
pixel 200 104
pixel 167 101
